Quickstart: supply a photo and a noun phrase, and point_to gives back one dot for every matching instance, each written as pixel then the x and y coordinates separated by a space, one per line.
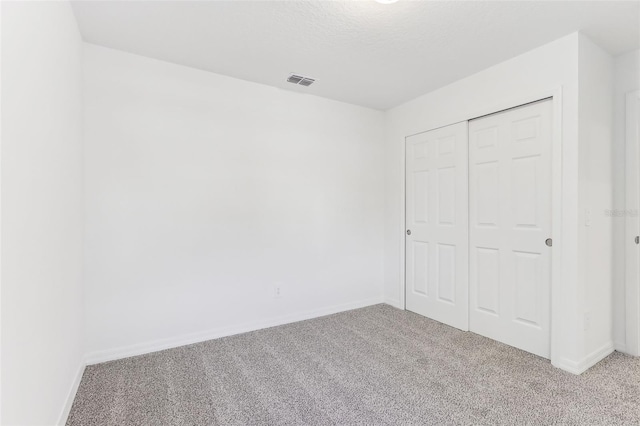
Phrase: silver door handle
pixel 408 231
pixel 549 242
pixel 637 239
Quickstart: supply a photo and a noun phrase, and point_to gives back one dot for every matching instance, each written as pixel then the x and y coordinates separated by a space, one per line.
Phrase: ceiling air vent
pixel 306 82
pixel 302 81
pixel 295 79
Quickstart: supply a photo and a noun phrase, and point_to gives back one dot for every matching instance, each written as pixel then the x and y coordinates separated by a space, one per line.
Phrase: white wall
pixel 540 72
pixel 595 240
pixel 41 175
pixel 204 191
pixel 626 79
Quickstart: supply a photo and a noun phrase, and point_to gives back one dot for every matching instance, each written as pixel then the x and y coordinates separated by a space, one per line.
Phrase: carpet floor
pixel 372 366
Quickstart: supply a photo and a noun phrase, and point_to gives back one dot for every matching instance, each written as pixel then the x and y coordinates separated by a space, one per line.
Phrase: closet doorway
pixel 478 217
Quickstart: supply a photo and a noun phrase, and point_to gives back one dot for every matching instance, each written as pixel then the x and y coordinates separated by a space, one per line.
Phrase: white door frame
pixel 558 269
pixel 632 224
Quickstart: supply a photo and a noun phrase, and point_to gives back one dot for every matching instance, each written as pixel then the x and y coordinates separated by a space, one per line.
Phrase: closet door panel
pixel 510 220
pixel 436 270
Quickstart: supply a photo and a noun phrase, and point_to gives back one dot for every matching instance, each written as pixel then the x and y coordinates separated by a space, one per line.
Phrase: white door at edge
pixel 510 222
pixel 437 243
pixel 632 233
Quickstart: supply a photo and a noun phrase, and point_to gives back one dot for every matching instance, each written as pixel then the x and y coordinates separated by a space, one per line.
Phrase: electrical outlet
pixel 277 291
pixel 587 217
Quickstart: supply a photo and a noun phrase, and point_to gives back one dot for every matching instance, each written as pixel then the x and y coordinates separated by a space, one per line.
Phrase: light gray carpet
pixel 371 366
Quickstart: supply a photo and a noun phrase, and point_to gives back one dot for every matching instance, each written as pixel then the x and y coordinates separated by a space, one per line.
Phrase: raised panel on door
pixel 436 271
pixel 509 221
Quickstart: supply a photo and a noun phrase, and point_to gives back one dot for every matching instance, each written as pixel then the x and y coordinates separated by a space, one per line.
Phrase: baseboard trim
pixel 588 361
pixel 393 302
pixel 620 347
pixel 162 344
pixel 71 396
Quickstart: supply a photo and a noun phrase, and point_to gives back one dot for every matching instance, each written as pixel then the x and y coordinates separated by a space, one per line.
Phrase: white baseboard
pixel 158 345
pixel 587 362
pixel 620 347
pixel 393 302
pixel 64 415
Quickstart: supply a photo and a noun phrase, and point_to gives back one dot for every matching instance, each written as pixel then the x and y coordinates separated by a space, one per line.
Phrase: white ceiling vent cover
pixel 302 81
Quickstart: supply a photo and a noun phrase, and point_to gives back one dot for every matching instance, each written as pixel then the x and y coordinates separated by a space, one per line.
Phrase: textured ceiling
pixel 360 52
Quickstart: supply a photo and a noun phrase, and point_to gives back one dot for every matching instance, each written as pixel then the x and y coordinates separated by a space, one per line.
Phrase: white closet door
pixel 437 225
pixel 510 219
pixel 632 233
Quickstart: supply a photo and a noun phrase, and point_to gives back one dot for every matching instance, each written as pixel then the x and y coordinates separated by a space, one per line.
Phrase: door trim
pixel 632 225
pixel 558 269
